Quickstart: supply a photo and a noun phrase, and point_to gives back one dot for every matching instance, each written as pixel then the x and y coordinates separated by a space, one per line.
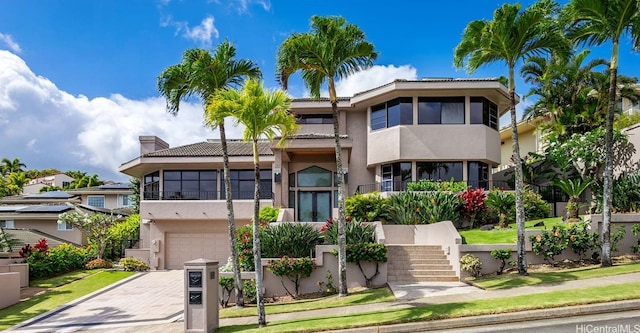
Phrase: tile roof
pixel 32 236
pixel 442 79
pixel 312 136
pixel 213 148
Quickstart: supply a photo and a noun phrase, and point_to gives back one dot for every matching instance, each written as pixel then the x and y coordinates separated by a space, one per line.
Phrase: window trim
pixel 382 121
pixel 64 226
pixel 441 100
pixel 8 224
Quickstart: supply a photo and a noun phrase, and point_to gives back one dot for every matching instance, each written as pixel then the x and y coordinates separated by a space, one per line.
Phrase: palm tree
pixel 8 166
pixel 202 74
pixel 264 114
pixel 511 37
pixel 333 50
pixel 594 22
pixel 16 181
pixel 573 188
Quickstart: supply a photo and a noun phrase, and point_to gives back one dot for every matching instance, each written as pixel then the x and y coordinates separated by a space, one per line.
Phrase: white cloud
pixel 202 33
pixel 371 78
pixel 49 128
pixel 243 5
pixel 10 43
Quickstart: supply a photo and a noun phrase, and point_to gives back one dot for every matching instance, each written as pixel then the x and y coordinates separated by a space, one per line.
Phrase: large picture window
pixel 483 111
pixel 441 110
pixel 315 119
pixel 478 175
pixel 243 181
pixel 395 112
pixel 96 201
pixel 439 171
pixel 314 177
pixel 395 176
pixel 190 185
pixel 151 186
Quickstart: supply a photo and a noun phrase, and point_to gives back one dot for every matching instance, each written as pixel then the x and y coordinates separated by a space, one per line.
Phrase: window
pixel 292 179
pixel 439 171
pixel 314 177
pixel 152 186
pixel 190 185
pixel 7 224
pixel 64 226
pixel 96 201
pixel 125 200
pixel 483 111
pixel 314 119
pixel 478 175
pixel 65 184
pixel 395 112
pixel 243 184
pixel 441 110
pixel 396 176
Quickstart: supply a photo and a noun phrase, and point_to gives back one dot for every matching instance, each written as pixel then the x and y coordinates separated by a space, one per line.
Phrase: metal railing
pixel 389 186
pixel 203 195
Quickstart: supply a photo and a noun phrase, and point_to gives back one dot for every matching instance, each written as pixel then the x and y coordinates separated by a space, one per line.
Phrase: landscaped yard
pixel 89 282
pixel 504 236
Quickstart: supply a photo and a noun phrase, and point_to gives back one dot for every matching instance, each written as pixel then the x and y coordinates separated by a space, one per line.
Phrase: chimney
pixel 151 143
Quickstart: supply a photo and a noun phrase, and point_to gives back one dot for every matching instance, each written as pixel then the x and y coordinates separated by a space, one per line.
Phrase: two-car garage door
pixel 181 247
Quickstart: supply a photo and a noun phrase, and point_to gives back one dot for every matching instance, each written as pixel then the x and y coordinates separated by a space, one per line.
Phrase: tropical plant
pixel 440 185
pixel 8 166
pixel 572 188
pixel 405 207
pixel 264 114
pixel 581 239
pixel 635 229
pixel 367 207
pixel 534 206
pixel 334 49
pixel 594 22
pixel 294 240
pixel 295 269
pixel 120 233
pixel 471 264
pixel 626 193
pixel 550 243
pixel 227 285
pixel 131 264
pixel 202 74
pixel 98 263
pixel 269 213
pixel 356 232
pixel 503 203
pixel 473 203
pixel 424 207
pixel 16 181
pixel 503 255
pixel 367 252
pixel 95 226
pixel 512 36
pixel 134 185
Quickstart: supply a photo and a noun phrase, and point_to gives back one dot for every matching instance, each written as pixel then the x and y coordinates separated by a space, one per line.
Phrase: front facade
pixel 439 129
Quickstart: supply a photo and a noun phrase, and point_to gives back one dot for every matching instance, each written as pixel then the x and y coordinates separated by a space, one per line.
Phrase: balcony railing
pixel 202 195
pixel 389 186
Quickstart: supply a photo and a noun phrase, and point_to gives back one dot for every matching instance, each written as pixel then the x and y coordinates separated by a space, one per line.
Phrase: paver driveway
pixel 143 299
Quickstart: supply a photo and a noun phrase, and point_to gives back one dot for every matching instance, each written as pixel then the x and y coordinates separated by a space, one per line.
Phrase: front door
pixel 314 206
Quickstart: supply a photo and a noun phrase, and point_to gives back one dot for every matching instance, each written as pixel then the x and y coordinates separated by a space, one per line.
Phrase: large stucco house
pixel 399 132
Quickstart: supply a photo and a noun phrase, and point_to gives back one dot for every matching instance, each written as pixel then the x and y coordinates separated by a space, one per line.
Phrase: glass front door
pixel 314 206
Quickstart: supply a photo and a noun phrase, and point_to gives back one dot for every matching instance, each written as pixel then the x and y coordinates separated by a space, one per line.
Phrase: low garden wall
pixel 9 289
pixel 22 269
pixel 625 221
pixel 142 254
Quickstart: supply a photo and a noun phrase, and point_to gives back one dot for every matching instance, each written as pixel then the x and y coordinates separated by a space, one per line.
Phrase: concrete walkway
pixel 118 310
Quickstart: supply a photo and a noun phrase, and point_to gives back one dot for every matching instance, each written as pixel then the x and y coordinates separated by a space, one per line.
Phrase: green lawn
pixel 361 297
pixel 451 310
pixel 515 280
pixel 56 297
pixel 63 279
pixel 503 236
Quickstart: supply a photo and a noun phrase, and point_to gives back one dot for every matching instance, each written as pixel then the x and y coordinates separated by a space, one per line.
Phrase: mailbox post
pixel 201 296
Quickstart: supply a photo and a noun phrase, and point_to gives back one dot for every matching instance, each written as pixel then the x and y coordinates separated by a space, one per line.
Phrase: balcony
pixel 204 195
pixel 390 186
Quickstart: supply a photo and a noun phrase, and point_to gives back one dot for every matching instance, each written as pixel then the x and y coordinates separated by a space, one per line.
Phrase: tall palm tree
pixel 511 37
pixel 202 74
pixel 333 50
pixel 264 114
pixel 16 181
pixel 8 166
pixel 594 22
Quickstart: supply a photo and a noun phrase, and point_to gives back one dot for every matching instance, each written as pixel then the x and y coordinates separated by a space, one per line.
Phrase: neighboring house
pixel 60 180
pixel 403 131
pixel 629 107
pixel 109 196
pixel 530 140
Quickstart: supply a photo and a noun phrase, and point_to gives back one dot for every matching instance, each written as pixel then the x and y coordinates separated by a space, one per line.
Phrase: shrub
pixel 473 203
pixel 289 239
pixel 471 264
pixel 249 291
pixel 617 235
pixel 66 257
pixel 424 208
pixel 626 193
pixel 295 269
pixel 636 231
pixel 98 263
pixel 133 264
pixel 356 232
pixel 534 206
pixel 269 214
pixel 121 233
pixel 366 252
pixel 366 207
pixel 581 239
pixel 550 243
pixel 503 255
pixel 244 242
pixel 44 262
pixel 503 203
pixel 227 284
pixel 430 185
pixel 328 288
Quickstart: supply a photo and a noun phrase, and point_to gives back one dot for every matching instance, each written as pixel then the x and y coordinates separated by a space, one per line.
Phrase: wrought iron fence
pixel 203 195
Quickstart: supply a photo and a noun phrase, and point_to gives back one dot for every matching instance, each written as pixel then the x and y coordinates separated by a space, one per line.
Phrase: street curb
pixel 511 317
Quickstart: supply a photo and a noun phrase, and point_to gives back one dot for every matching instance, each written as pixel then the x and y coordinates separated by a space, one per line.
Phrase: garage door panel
pixel 182 247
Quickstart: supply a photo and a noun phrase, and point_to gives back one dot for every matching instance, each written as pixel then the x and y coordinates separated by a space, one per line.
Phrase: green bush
pixel 626 193
pixel 366 207
pixel 98 263
pixel 581 239
pixel 503 204
pixel 289 239
pixel 471 264
pixel 119 234
pixel 356 232
pixel 45 262
pixel 550 243
pixel 269 214
pixel 424 208
pixel 501 254
pixel 366 252
pixel 636 232
pixel 244 236
pixel 133 265
pixel 295 269
pixel 249 291
pixel 430 185
pixel 534 206
pixel 227 284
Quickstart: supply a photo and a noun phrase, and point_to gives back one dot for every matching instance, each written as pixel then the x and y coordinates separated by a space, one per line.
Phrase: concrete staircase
pixel 418 263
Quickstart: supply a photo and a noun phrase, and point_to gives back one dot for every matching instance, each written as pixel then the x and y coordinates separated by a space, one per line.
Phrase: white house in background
pixel 60 180
pixel 108 196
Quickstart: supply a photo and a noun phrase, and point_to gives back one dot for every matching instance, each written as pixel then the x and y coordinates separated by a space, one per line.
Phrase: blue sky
pixel 78 78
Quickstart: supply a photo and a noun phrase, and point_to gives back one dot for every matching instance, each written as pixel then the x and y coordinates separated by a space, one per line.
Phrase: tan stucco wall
pixel 9 289
pixel 359 173
pixel 51 227
pixel 196 209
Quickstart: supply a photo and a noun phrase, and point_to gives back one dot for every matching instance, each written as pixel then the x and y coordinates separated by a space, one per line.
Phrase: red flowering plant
pixel 473 203
pixel 295 269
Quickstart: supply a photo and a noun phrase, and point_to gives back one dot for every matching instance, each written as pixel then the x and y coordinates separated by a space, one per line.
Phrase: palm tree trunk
pixel 521 253
pixel 237 276
pixel 342 237
pixel 608 164
pixel 257 256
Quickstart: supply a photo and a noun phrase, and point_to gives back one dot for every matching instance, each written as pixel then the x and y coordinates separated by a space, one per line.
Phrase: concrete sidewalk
pixel 411 295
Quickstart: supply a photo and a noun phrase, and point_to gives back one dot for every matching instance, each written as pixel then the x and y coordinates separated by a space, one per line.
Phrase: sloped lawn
pixel 504 236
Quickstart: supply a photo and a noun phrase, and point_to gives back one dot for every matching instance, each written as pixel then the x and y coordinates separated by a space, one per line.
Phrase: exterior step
pixel 418 263
pixel 411 266
pixel 424 279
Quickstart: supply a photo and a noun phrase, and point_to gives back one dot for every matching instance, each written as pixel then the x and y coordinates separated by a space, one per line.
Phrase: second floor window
pixel 243 181
pixel 314 119
pixel 190 185
pixel 440 110
pixel 96 201
pixel 483 111
pixel 152 186
pixel 395 112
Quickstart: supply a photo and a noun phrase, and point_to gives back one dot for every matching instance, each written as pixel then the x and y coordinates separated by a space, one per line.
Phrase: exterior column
pixel 278 187
pixel 201 296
